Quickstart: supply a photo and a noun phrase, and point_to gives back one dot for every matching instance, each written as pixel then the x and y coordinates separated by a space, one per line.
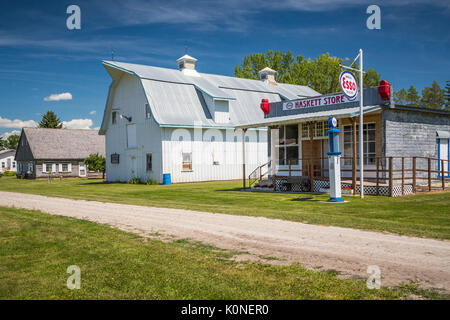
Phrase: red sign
pixel 348 84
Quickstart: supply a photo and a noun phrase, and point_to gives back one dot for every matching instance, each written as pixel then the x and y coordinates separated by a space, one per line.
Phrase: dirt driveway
pixel 349 251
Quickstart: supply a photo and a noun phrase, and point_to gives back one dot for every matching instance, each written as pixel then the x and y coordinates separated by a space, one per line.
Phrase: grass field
pixel 423 215
pixel 36 249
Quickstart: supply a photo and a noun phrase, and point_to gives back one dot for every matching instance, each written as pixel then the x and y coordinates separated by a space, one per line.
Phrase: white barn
pixel 182 122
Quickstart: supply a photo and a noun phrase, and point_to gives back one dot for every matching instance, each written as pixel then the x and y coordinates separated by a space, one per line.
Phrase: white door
pixel 82 169
pixel 133 166
pixel 443 154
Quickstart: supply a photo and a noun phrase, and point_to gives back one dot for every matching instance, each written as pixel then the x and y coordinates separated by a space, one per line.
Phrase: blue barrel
pixel 167 179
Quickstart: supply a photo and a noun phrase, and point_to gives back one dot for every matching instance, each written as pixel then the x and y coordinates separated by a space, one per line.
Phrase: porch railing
pixel 418 173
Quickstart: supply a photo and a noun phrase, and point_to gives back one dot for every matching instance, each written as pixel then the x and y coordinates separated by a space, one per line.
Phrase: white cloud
pixel 92 112
pixel 16 123
pixel 78 124
pixel 7 134
pixel 59 96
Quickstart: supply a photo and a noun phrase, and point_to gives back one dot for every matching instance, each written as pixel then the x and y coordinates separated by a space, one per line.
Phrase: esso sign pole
pixel 350 88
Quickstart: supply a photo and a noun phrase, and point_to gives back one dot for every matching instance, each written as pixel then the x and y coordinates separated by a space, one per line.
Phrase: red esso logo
pixel 348 84
pixel 334 122
pixel 289 105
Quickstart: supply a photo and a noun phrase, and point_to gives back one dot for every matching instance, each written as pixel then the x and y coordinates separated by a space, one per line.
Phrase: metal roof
pixel 320 115
pixel 177 99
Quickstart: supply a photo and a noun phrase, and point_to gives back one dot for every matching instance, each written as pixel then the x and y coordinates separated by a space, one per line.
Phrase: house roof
pixel 2 152
pixel 176 99
pixel 64 144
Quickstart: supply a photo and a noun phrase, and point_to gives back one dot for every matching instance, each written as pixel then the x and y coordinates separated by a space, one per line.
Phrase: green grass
pixel 37 248
pixel 422 215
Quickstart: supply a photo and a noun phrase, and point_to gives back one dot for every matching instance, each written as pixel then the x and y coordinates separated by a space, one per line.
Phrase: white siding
pixel 207 146
pixel 7 161
pixel 128 99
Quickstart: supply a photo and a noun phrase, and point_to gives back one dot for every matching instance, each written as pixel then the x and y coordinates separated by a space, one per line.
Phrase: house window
pixel 47 167
pixel 3 164
pixel 149 162
pixel 288 144
pixel 14 164
pixel 369 143
pixel 64 167
pixel 148 114
pixel 114 117
pixel 187 161
pixel 115 158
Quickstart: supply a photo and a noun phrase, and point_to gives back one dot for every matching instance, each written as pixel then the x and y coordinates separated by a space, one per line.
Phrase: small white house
pixel 7 162
pixel 182 122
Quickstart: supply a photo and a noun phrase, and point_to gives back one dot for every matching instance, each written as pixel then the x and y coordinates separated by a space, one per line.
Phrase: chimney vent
pixel 186 64
pixel 267 75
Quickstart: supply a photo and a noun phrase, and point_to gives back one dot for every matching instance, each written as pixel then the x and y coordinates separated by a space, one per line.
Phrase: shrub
pixel 151 182
pixel 9 173
pixel 135 181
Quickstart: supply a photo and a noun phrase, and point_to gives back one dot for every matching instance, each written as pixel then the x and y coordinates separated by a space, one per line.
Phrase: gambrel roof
pixel 177 99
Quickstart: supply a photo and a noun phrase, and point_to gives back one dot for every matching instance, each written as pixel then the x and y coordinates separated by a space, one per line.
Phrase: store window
pixel 369 144
pixel 288 144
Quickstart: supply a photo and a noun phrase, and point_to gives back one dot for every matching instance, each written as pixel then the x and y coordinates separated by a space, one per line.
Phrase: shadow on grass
pixel 306 199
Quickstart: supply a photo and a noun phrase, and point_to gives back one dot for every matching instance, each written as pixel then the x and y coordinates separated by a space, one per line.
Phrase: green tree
pixel 321 73
pixel 12 142
pixel 433 97
pixel 50 120
pixel 1 143
pixel 447 95
pixel 412 97
pixel 96 162
pixel 401 97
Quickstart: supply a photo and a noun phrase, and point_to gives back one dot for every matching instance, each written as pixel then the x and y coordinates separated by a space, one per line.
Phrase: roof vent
pixel 268 76
pixel 186 64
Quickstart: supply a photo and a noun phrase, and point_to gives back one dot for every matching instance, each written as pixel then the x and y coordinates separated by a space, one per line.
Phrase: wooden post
pixel 243 157
pixel 391 182
pixel 289 164
pixel 403 176
pixel 354 161
pixel 311 162
pixel 429 174
pixel 378 181
pixel 443 174
pixel 414 173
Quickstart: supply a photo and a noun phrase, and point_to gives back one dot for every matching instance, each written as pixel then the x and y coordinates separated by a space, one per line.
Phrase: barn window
pixel 148 114
pixel 114 117
pixel 115 158
pixel 187 161
pixel 149 162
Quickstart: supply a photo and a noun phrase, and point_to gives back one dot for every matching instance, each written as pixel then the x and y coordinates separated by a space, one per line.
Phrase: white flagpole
pixel 361 125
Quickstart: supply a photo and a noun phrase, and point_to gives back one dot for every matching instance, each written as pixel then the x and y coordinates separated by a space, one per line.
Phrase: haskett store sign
pixel 316 101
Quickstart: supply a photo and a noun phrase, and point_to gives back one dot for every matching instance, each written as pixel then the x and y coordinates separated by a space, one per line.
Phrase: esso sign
pixel 348 84
pixel 332 122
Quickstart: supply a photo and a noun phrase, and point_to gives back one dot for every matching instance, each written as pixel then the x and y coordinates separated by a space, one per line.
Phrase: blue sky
pixel 40 57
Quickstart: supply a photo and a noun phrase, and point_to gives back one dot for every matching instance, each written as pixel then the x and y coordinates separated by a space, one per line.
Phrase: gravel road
pixel 401 259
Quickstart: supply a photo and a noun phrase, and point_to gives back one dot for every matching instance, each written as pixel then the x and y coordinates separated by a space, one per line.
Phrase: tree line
pixel 322 74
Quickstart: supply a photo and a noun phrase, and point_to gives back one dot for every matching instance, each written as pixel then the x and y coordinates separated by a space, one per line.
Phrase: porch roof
pixel 317 116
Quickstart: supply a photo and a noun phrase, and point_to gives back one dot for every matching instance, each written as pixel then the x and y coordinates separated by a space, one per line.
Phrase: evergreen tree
pixel 412 97
pixel 433 97
pixel 50 120
pixel 447 95
pixel 401 97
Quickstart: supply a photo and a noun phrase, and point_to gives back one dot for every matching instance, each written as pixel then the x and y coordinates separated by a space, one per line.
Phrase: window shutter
pixel 44 168
pixel 69 167
pixel 60 168
pixel 54 167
